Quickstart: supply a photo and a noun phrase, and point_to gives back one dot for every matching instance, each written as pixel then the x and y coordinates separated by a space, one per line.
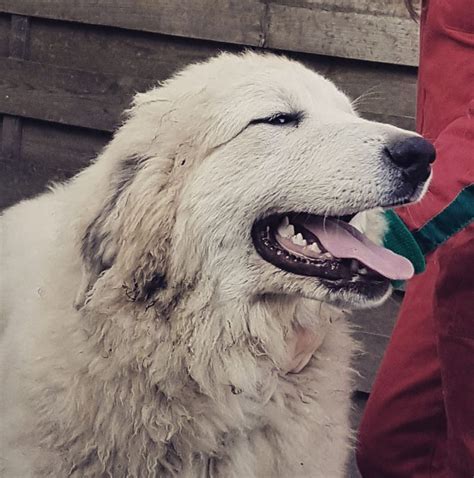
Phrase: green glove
pixel 401 241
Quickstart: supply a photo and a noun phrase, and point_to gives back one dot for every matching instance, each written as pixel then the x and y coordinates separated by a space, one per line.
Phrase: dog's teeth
pixel 359 221
pixel 285 221
pixel 286 230
pixel 363 271
pixel 298 240
pixel 314 247
pixel 327 255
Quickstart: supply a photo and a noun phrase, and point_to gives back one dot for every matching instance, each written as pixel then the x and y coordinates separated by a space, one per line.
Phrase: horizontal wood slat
pixel 310 26
pixel 96 100
pixel 64 95
pixel 116 51
pixel 59 147
pixel 223 20
pixel 346 34
pixel 49 152
pixel 393 8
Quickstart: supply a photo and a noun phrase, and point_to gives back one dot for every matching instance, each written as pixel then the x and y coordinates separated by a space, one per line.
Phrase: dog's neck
pixel 205 358
pixel 216 345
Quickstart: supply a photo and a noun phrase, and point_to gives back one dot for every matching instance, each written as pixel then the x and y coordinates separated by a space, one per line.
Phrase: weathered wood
pixel 11 138
pixel 343 30
pixel 372 328
pixel 223 20
pixel 346 34
pixel 388 92
pixel 95 100
pixel 19 36
pixel 391 8
pixel 60 147
pixel 64 95
pixel 18 48
pixel 379 321
pixel 381 93
pixel 4 34
pixel 17 184
pixel 116 51
pixel 367 363
pixel 50 152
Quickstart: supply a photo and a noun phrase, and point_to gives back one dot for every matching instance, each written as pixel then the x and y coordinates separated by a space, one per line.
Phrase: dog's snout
pixel 414 156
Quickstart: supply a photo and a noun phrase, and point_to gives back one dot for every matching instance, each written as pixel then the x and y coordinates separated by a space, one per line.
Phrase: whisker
pixel 372 93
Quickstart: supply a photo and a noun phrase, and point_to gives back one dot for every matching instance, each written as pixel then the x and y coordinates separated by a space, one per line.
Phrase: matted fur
pixel 142 336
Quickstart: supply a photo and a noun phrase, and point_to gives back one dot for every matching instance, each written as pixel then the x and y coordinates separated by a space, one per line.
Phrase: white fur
pixel 159 350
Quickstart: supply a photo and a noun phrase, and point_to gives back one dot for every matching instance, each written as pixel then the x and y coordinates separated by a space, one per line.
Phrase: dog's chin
pixel 330 258
pixel 358 296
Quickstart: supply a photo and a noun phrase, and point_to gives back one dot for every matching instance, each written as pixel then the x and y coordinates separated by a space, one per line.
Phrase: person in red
pixel 419 419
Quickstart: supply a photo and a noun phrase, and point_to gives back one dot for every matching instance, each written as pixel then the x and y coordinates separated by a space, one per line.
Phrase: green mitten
pixel 401 241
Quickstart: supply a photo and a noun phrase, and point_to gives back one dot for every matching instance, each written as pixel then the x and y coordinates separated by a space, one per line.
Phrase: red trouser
pixel 419 420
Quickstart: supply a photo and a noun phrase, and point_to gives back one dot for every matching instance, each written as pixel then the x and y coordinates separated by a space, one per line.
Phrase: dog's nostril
pixel 411 152
pixel 414 155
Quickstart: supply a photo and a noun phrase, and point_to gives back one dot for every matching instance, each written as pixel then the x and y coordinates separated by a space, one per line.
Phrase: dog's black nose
pixel 414 155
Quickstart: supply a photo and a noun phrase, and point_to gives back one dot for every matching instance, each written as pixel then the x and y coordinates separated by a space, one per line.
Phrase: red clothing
pixel 445 107
pixel 419 420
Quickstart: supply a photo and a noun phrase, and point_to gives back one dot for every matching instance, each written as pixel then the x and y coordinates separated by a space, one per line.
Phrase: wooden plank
pixel 95 100
pixel 388 92
pixel 381 93
pixel 19 36
pixel 63 95
pixel 1 134
pixel 372 328
pixel 18 48
pixel 368 362
pixel 405 122
pixel 346 34
pixel 387 95
pixel 11 138
pixel 61 148
pixel 343 29
pixel 379 321
pixel 116 51
pixel 233 21
pixel 389 8
pixel 4 34
pixel 17 184
pixel 50 152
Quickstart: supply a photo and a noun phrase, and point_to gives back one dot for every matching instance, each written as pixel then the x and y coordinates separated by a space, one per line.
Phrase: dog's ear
pixel 128 238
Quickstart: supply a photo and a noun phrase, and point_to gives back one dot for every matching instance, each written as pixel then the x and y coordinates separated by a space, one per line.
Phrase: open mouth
pixel 333 249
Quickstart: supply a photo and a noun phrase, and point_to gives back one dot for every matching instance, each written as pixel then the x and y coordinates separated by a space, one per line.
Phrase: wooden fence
pixel 70 67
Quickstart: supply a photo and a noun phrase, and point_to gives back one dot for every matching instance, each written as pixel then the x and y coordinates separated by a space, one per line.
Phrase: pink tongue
pixel 346 242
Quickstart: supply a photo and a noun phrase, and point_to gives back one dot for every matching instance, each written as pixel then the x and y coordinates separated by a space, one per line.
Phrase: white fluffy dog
pixel 151 305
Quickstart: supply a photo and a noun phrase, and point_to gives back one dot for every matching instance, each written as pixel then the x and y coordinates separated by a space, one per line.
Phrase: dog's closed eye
pixel 280 119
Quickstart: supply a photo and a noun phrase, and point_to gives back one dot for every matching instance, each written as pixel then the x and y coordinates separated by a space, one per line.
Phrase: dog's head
pixel 254 174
